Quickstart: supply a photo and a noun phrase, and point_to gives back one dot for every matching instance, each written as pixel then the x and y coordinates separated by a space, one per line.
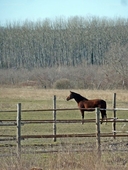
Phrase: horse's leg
pixel 105 117
pixel 82 114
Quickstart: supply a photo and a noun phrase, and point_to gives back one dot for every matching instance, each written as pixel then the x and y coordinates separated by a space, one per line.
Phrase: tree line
pixel 63 42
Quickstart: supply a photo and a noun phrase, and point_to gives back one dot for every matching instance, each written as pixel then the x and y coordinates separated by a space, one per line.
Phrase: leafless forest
pixel 64 53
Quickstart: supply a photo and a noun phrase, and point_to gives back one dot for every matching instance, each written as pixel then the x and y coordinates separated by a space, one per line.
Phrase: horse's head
pixel 71 96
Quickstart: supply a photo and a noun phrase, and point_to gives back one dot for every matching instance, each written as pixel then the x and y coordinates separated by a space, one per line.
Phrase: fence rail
pixel 45 110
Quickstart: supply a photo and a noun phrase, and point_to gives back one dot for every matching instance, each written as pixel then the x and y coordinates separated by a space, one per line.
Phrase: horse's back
pixel 93 103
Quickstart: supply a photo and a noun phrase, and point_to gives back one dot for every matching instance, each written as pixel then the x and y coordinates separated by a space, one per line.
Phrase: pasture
pixel 32 98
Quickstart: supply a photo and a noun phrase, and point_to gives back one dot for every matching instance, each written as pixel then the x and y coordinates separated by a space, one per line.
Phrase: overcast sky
pixel 20 10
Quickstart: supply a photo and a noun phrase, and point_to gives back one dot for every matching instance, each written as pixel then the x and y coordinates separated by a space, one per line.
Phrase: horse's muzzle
pixel 67 99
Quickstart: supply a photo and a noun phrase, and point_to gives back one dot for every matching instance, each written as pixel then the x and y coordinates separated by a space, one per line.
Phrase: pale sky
pixel 33 10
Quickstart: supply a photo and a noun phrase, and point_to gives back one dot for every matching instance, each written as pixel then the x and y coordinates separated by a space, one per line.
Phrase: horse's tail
pixel 105 105
pixel 103 112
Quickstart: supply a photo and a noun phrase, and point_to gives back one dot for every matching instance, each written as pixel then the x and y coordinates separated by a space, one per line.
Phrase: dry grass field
pixel 114 151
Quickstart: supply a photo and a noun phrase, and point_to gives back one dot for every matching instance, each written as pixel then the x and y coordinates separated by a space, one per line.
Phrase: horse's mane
pixel 79 97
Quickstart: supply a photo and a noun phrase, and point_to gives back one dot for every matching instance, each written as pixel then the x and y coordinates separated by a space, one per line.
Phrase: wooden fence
pixel 18 123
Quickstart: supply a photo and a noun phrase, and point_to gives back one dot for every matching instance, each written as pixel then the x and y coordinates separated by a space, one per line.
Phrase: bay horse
pixel 88 105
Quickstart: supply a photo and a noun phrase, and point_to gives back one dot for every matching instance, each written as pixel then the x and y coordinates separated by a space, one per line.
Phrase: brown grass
pixel 67 161
pixel 37 94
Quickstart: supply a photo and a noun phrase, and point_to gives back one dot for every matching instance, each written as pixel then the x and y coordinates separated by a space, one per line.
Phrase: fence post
pixel 54 117
pixel 97 110
pixel 114 112
pixel 18 136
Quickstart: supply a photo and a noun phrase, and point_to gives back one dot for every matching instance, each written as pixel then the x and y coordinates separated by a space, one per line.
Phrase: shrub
pixel 62 84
